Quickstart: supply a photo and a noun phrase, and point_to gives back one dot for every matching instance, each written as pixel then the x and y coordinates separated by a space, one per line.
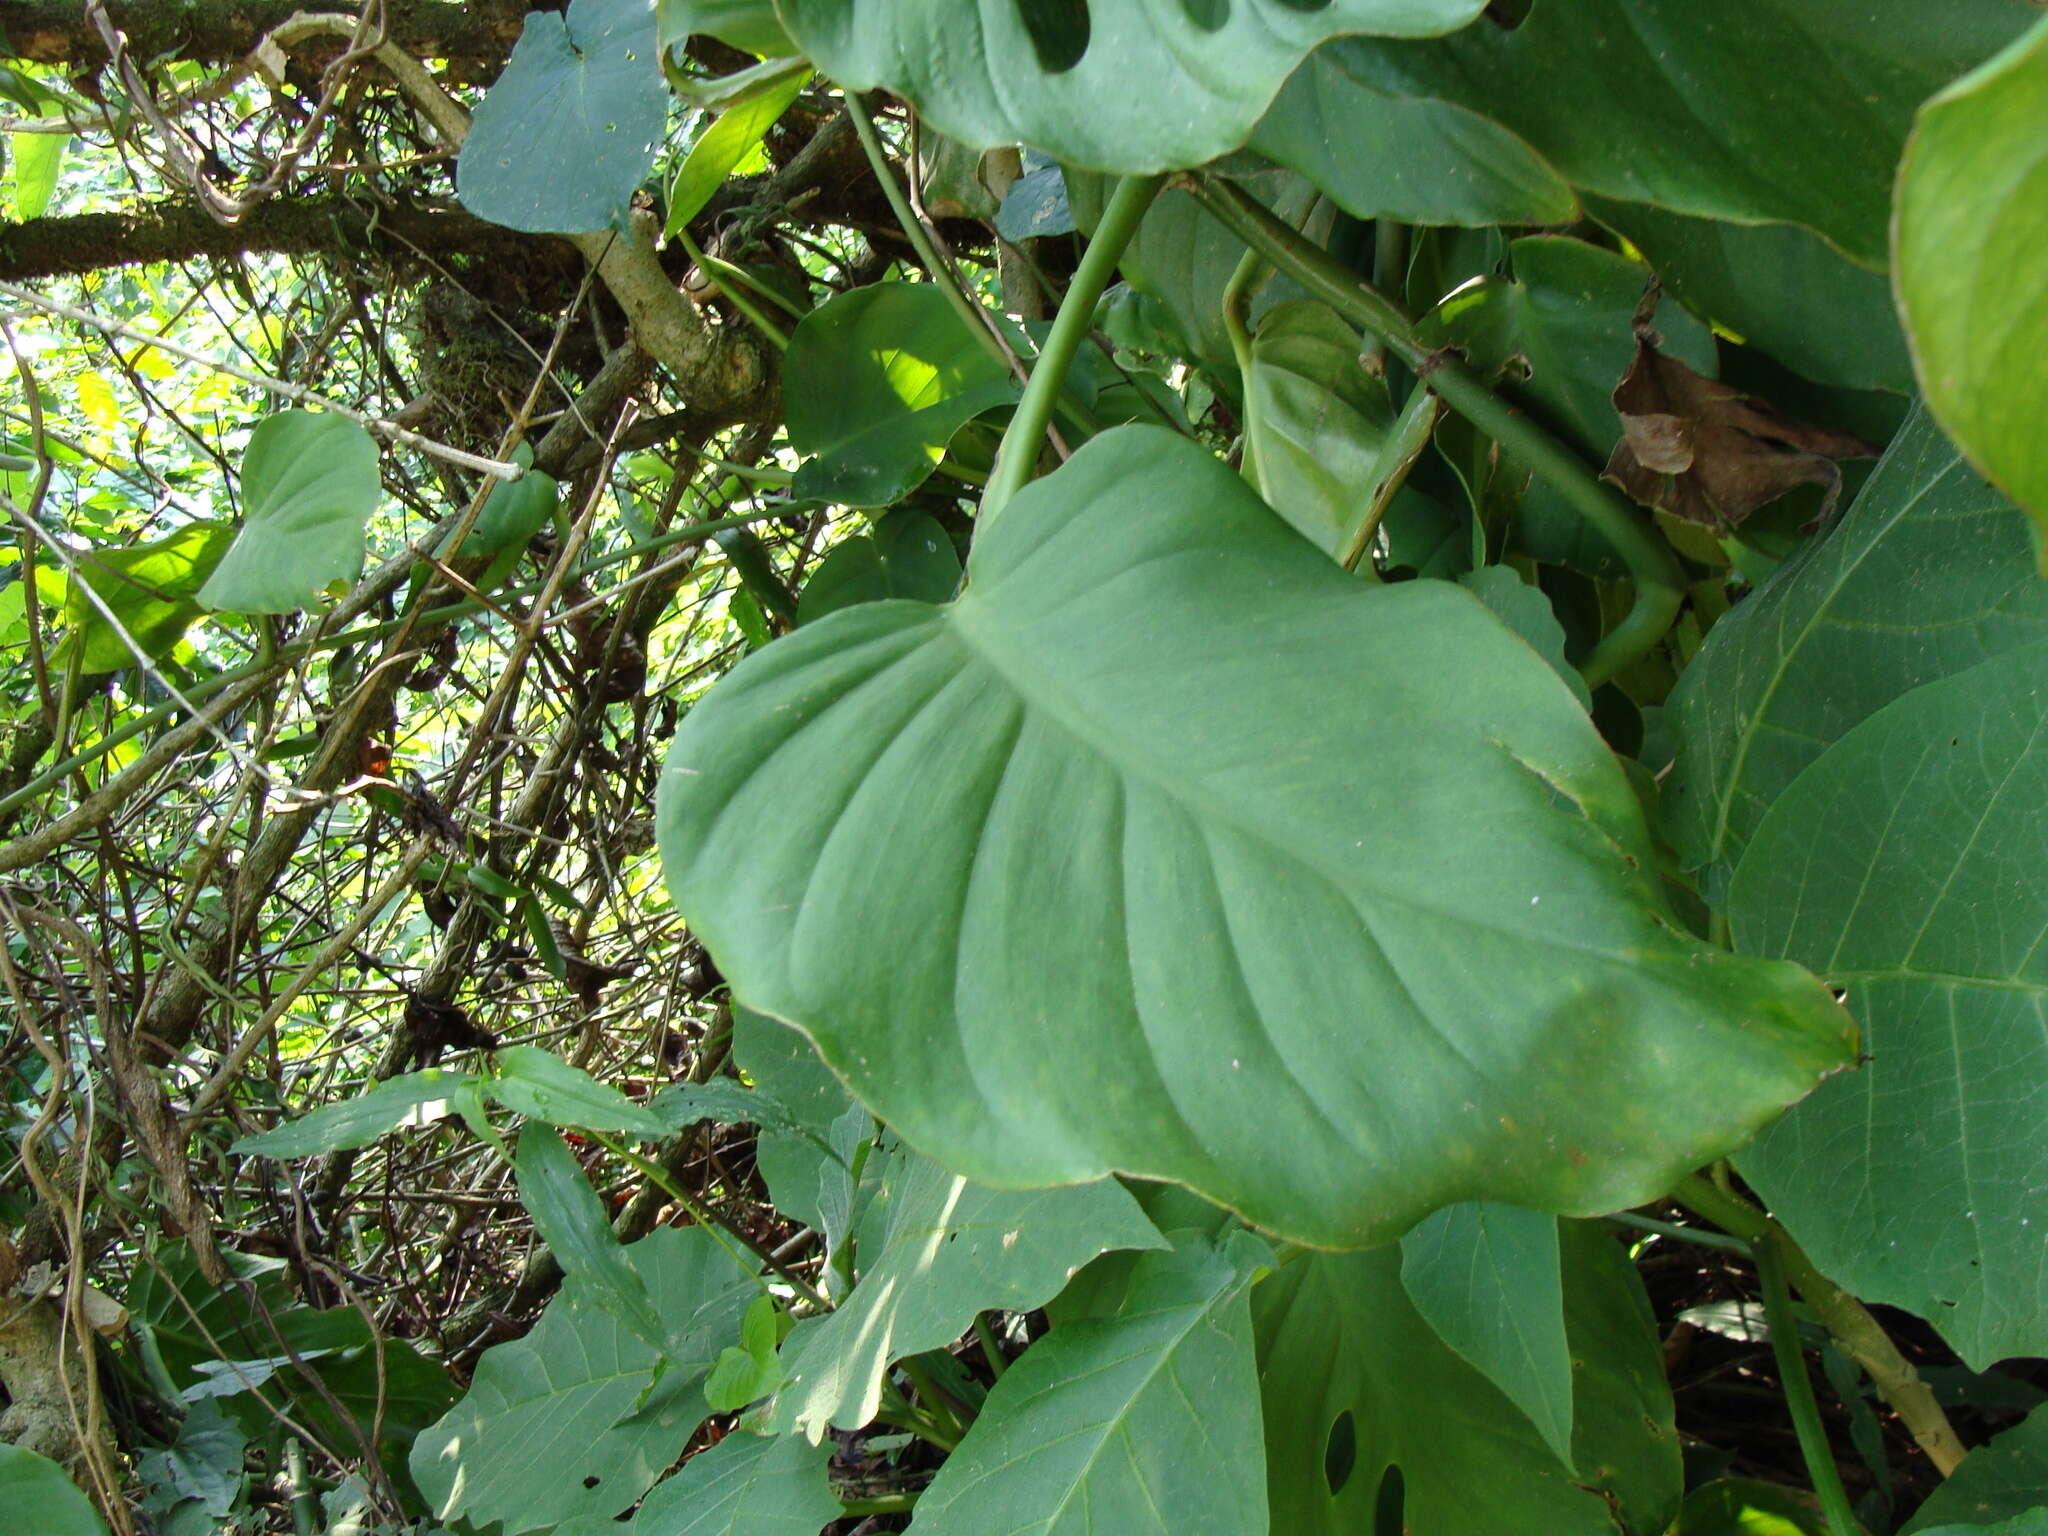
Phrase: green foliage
pixel 567 132
pixel 1282 915
pixel 309 485
pixel 1967 247
pixel 36 1489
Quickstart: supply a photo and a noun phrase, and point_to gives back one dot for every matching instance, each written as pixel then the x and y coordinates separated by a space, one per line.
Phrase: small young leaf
pixel 309 485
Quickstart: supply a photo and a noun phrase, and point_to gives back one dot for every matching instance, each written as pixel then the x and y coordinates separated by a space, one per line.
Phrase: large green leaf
pixel 578 1417
pixel 1967 251
pixel 1486 1279
pixel 1778 286
pixel 1414 159
pixel 2007 1477
pixel 1114 85
pixel 1929 572
pixel 1656 101
pixel 1346 1363
pixel 2033 1523
pixel 35 1489
pixel 564 136
pixel 1315 420
pixel 908 555
pixel 743 1486
pixel 151 589
pixel 875 383
pixel 934 1251
pixel 1910 866
pixel 309 485
pixel 1145 1424
pixel 1332 945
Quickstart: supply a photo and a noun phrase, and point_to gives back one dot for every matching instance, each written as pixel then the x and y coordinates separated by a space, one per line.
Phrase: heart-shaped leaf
pixel 1092 870
pixel 309 485
pixel 565 135
pixel 1114 85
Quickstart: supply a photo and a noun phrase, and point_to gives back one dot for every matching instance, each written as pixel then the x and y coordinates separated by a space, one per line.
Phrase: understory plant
pixel 1323 791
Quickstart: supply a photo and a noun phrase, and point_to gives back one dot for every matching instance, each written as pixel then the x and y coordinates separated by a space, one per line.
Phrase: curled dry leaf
pixel 1708 453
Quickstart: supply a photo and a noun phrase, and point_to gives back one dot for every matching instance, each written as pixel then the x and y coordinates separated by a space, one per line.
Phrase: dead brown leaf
pixel 1708 453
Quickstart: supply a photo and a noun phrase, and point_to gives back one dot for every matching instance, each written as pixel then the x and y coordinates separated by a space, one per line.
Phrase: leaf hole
pixel 1340 1452
pixel 592 1482
pixel 1390 1508
pixel 1209 15
pixel 1306 5
pixel 1058 30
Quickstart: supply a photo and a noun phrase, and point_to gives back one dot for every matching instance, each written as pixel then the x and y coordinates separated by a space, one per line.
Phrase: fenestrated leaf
pixel 1115 85
pixel 554 1425
pixel 150 588
pixel 743 1486
pixel 309 485
pixel 1447 978
pixel 1972 279
pixel 1146 1424
pixel 1928 572
pixel 2006 1477
pixel 1486 1278
pixel 1779 286
pixel 360 1120
pixel 934 1251
pixel 37 1491
pixel 562 139
pixel 1418 160
pixel 1656 101
pixel 1907 864
pixel 539 1083
pixel 876 382
pixel 1340 1345
pixel 1315 420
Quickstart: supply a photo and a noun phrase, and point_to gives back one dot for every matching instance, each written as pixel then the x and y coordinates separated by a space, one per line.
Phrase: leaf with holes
pixel 1330 999
pixel 565 135
pixel 1928 572
pixel 1114 85
pixel 935 1250
pixel 1345 1360
pixel 1145 1424
pixel 1967 249
pixel 309 485
pixel 1904 865
pixel 577 1417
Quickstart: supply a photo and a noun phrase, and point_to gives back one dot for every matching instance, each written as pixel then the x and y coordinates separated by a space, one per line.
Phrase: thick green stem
pixel 1846 1319
pixel 1026 431
pixel 1659 585
pixel 1798 1389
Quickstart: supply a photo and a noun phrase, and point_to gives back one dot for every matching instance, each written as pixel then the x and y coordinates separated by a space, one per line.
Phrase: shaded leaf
pixel 745 1485
pixel 1526 611
pixel 1315 420
pixel 562 1422
pixel 1342 1348
pixel 309 484
pixel 1708 453
pixel 1907 866
pixel 1449 979
pixel 1742 1506
pixel 907 555
pixel 1145 1424
pixel 1486 1279
pixel 1112 86
pixel 1967 252
pixel 582 89
pixel 749 25
pixel 935 1250
pixel 36 1489
pixel 1656 101
pixel 356 1122
pixel 571 1220
pixel 750 1370
pixel 2006 1477
pixel 1928 572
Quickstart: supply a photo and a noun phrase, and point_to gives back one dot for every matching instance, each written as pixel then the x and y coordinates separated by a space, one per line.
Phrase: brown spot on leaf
pixel 1707 453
